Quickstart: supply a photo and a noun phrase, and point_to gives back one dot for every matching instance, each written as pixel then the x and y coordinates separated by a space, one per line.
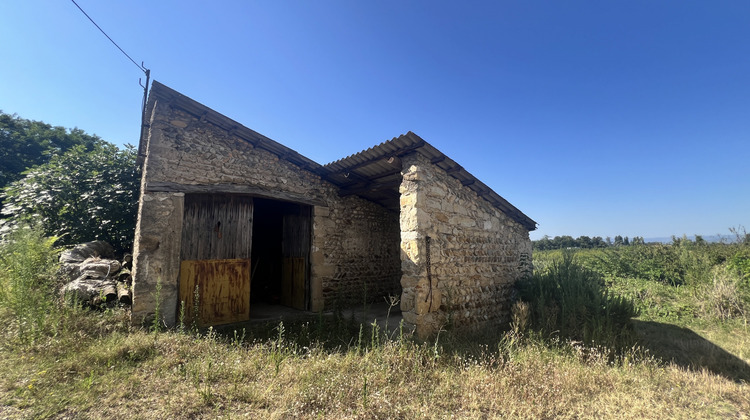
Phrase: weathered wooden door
pixel 215 266
pixel 295 249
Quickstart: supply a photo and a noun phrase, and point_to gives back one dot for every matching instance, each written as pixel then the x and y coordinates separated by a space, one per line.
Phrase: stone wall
pixel 354 242
pixel 187 150
pixel 157 235
pixel 357 243
pixel 474 252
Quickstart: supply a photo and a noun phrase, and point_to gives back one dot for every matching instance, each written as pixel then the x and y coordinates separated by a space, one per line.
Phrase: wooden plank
pixel 217 227
pixel 293 282
pixel 287 281
pixel 295 248
pixel 233 189
pixel 223 290
pixel 296 234
pixel 299 277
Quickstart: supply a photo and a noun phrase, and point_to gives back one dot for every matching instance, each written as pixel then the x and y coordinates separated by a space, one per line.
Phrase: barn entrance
pixel 281 254
pixel 239 251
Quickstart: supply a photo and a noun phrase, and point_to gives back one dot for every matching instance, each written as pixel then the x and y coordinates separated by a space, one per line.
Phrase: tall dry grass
pixel 184 376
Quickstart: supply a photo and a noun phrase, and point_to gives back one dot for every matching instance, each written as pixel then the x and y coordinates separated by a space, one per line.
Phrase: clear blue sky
pixel 593 117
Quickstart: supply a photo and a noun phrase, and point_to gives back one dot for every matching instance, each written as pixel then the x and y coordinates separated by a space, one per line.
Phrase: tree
pixel 80 195
pixel 565 241
pixel 25 144
pixel 584 242
pixel 598 242
pixel 542 244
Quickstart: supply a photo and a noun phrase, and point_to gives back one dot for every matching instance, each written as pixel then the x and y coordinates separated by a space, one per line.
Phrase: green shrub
pixel 79 196
pixel 28 263
pixel 660 263
pixel 571 301
pixel 740 263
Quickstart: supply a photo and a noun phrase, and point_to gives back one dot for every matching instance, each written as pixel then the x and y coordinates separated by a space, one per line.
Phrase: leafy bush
pixel 80 196
pixel 740 263
pixel 570 300
pixel 28 263
pixel 681 263
pixel 655 262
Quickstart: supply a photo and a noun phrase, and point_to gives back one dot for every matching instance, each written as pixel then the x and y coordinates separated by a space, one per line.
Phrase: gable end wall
pixel 475 253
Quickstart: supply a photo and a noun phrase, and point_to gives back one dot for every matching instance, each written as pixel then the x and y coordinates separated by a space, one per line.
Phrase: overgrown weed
pixel 724 297
pixel 570 301
pixel 28 265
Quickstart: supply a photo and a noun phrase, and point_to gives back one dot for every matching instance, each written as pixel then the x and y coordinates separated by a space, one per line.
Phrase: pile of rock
pixel 93 276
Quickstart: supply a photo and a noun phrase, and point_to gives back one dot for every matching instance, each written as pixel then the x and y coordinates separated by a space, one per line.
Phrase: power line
pixel 140 67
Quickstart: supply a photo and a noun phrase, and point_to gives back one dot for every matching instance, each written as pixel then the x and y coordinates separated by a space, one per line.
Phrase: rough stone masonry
pixel 462 255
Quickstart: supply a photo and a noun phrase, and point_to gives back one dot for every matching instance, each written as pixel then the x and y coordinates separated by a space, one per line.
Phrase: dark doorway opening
pixel 280 254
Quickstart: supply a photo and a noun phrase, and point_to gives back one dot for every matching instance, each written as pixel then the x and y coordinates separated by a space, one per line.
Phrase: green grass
pixel 124 373
pixel 688 362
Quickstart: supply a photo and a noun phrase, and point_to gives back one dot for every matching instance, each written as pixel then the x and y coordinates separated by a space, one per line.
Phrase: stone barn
pixel 230 220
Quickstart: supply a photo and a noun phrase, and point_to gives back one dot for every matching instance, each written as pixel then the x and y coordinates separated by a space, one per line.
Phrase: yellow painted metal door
pixel 215 291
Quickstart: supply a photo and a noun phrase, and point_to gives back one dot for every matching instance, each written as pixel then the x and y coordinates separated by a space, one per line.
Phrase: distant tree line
pixel 586 242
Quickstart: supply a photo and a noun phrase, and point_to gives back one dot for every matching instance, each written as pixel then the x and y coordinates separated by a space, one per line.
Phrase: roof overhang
pixel 375 174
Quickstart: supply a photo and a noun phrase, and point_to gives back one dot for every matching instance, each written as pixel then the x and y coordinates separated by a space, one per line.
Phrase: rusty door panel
pixel 223 289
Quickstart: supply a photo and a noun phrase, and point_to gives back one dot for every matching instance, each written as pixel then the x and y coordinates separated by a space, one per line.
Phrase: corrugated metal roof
pixel 353 172
pixel 374 174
